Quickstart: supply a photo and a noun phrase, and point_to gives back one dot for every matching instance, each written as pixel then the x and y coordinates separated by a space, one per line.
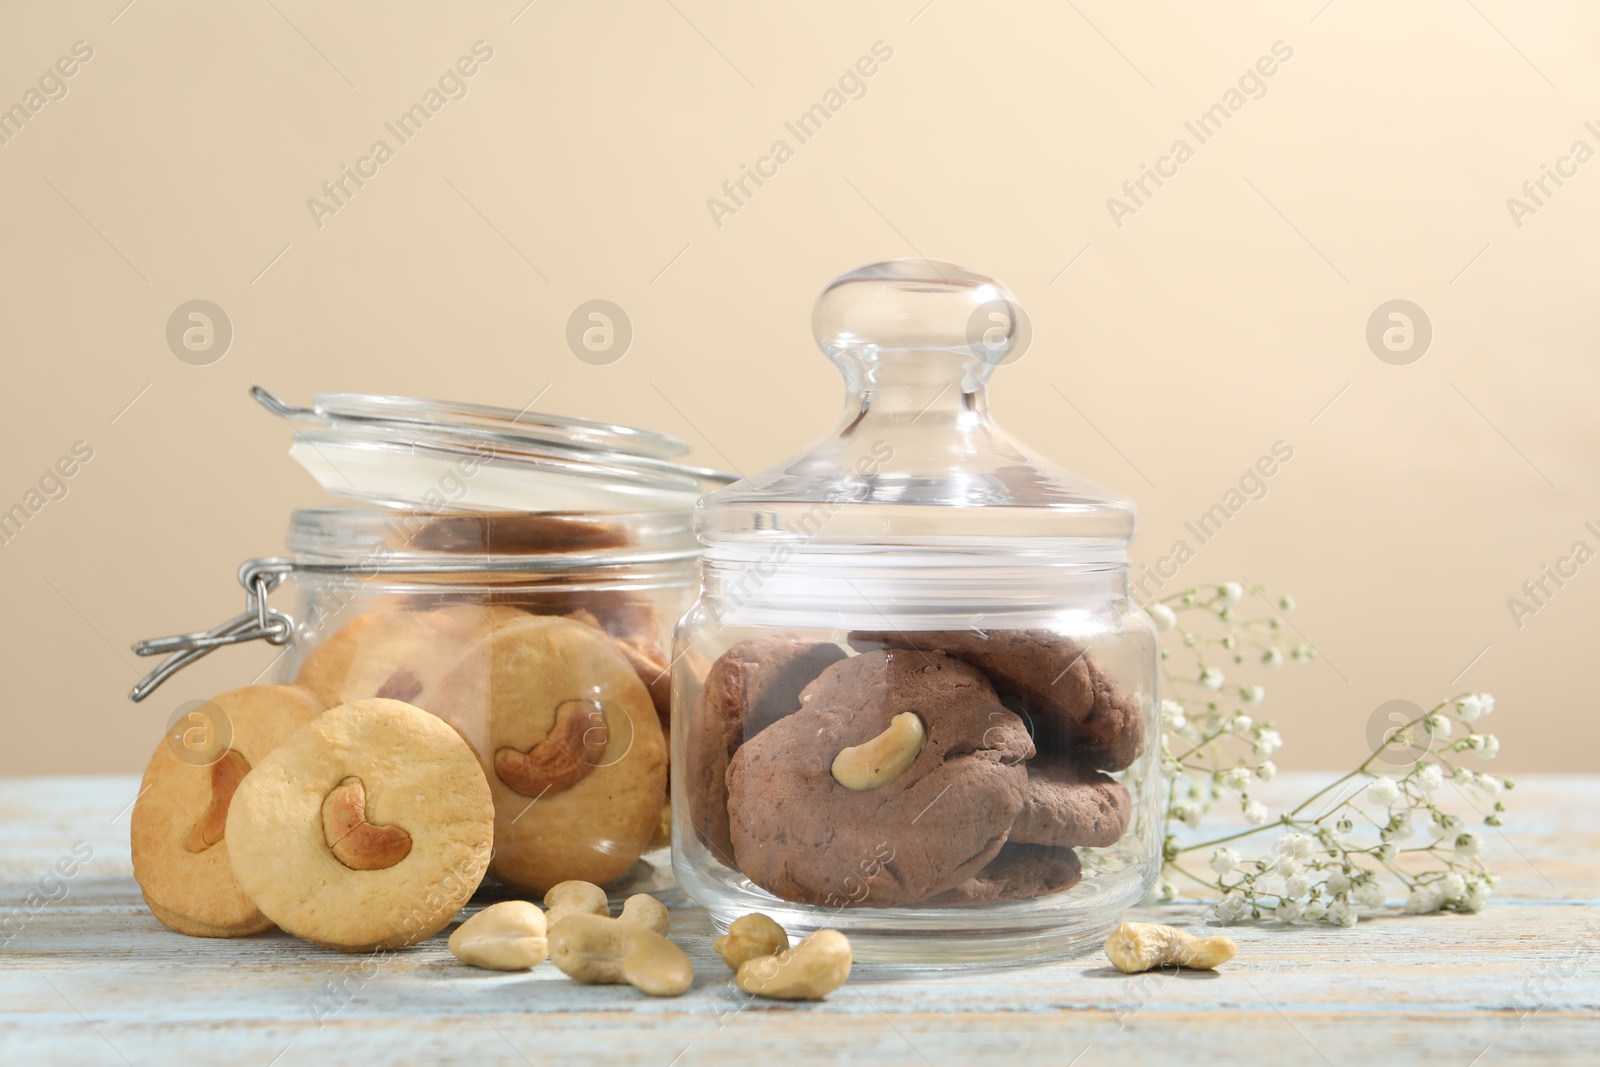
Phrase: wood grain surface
pixel 90 977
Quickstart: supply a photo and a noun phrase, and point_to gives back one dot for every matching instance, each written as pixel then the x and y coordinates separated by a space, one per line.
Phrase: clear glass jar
pixel 518 576
pixel 914 701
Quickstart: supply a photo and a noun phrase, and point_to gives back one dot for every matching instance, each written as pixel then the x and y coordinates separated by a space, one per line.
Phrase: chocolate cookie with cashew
pixel 367 829
pixel 1077 707
pixel 570 743
pixel 749 687
pixel 899 778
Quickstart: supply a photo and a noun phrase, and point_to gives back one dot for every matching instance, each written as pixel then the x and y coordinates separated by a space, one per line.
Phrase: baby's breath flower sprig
pixel 1339 848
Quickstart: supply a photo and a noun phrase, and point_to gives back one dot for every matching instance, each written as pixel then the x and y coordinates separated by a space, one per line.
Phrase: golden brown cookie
pixel 367 829
pixel 179 858
pixel 396 654
pixel 647 662
pixel 571 746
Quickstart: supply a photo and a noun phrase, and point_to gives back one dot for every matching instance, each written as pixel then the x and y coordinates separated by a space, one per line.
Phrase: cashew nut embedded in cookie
pixel 644 910
pixel 226 774
pixel 354 841
pixel 884 758
pixel 809 971
pixel 577 740
pixel 596 949
pixel 1134 947
pixel 575 898
pixel 508 936
pixel 749 938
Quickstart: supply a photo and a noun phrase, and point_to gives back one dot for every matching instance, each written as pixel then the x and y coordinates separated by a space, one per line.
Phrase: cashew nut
pixel 809 971
pixel 884 758
pixel 575 898
pixel 1134 947
pixel 574 746
pixel 644 910
pixel 226 774
pixel 750 937
pixel 354 841
pixel 508 936
pixel 402 685
pixel 595 949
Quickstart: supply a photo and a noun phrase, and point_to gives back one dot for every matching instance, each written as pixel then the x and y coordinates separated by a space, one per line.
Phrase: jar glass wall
pixel 541 638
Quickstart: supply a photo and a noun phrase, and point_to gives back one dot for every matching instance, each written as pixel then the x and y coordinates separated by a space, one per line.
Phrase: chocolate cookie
pixel 1068 804
pixel 933 818
pixel 1018 872
pixel 750 686
pixel 1076 706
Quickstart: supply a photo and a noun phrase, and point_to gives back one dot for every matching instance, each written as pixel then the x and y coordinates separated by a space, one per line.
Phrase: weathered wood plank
pixel 92 978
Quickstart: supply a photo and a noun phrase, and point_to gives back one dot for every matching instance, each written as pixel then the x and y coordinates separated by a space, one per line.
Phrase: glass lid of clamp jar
pixel 915 701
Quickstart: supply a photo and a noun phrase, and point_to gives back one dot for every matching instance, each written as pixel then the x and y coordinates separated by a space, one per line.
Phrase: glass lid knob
pixel 918 305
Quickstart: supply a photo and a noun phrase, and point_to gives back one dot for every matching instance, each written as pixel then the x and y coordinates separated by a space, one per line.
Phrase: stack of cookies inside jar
pixel 933 767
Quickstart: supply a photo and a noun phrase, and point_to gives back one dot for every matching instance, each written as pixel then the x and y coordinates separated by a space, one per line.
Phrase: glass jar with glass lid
pixel 915 701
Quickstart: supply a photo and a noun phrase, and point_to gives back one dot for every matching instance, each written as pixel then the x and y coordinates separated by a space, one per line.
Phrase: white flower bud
pixel 1382 790
pixel 1211 678
pixel 1228 593
pixel 1369 894
pixel 1341 914
pixel 1272 659
pixel 1468 846
pixel 1291 911
pixel 1267 770
pixel 1162 616
pixel 1255 813
pixel 1223 861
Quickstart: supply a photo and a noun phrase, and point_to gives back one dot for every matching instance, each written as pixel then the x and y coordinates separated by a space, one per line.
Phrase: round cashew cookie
pixel 396 654
pixel 367 829
pixel 931 817
pixel 1069 805
pixel 571 746
pixel 749 687
pixel 647 662
pixel 178 822
pixel 1077 707
pixel 1018 872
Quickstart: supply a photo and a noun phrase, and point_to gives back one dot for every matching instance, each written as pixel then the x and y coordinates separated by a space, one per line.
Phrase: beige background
pixel 1227 313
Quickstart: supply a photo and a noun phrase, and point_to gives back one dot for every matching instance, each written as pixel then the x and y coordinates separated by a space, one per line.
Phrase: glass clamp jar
pixel 914 701
pixel 517 575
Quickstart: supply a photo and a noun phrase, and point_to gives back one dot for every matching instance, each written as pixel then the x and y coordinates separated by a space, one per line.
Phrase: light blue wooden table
pixel 90 977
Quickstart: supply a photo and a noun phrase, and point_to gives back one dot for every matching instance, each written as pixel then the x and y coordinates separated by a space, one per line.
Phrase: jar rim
pixel 399 541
